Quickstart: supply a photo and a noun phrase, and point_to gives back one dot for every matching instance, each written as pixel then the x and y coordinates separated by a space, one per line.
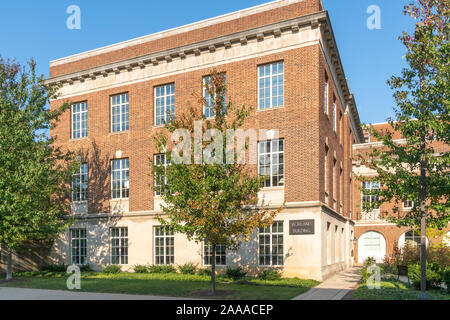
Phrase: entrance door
pixel 371 244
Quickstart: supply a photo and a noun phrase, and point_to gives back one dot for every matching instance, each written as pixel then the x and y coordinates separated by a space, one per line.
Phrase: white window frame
pixel 124 116
pixel 79 238
pixel 271 85
pixel 81 175
pixel 271 153
pixel 77 126
pixel 210 100
pixel 406 207
pixel 221 254
pixel 168 109
pixel 167 236
pixel 269 231
pixel 326 97
pixel 371 187
pixel 165 163
pixel 124 184
pixel 334 117
pixel 122 240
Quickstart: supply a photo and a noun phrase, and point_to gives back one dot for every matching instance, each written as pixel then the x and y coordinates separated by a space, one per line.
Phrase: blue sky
pixel 37 29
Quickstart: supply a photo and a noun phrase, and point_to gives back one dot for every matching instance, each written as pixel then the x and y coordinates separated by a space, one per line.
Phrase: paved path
pixel 334 288
pixel 39 294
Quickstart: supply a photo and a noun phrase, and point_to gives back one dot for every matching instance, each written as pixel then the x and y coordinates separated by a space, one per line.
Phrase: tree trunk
pixel 423 239
pixel 9 265
pixel 213 269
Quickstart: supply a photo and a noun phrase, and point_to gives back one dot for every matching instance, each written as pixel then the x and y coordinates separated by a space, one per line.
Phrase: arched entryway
pixel 411 238
pixel 371 244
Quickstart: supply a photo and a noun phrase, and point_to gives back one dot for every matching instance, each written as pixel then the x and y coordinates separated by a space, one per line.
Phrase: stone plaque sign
pixel 301 227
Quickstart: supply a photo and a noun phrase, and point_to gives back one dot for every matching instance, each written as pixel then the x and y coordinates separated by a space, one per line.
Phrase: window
pixel 79 120
pixel 326 174
pixel 271 162
pixel 408 204
pixel 334 117
pixel 164 104
pixel 80 184
pixel 335 195
pixel 372 242
pixel 271 245
pixel 78 243
pixel 368 188
pixel 160 181
pixel 164 245
pixel 412 238
pixel 120 178
pixel 208 108
pixel 271 85
pixel 119 245
pixel 119 113
pixel 221 255
pixel 329 243
pixel 326 97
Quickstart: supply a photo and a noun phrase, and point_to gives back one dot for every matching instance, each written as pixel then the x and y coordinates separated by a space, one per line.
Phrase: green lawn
pixel 395 290
pixel 170 284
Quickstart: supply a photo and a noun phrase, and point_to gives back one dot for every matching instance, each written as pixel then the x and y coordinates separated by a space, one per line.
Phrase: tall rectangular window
pixel 208 108
pixel 119 112
pixel 334 117
pixel 78 243
pixel 271 162
pixel 160 180
pixel 325 103
pixel 80 184
pixel 271 245
pixel 408 204
pixel 164 245
pixel 79 120
pixel 119 245
pixel 271 85
pixel 120 178
pixel 164 104
pixel 335 195
pixel 326 173
pixel 221 255
pixel 368 188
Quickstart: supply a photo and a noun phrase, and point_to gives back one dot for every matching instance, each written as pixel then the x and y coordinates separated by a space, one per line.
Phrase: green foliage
pixel 34 175
pixel 204 272
pixel 433 275
pixel 159 268
pixel 235 273
pixel 188 268
pixel 53 267
pixel 112 269
pixel 270 274
pixel 85 268
pixel 446 278
pixel 140 268
pixel 364 272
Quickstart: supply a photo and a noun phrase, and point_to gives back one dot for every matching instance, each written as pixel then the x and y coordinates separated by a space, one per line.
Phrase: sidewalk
pixel 335 288
pixel 39 294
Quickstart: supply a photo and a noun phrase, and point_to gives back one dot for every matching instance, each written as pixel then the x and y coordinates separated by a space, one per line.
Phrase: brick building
pixel 280 58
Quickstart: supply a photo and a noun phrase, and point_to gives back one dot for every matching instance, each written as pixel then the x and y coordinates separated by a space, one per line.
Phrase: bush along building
pixel 281 58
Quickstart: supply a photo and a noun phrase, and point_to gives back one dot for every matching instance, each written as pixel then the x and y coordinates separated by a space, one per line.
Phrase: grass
pixel 395 290
pixel 170 284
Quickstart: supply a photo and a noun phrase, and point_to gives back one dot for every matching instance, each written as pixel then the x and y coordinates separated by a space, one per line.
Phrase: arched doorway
pixel 409 237
pixel 371 244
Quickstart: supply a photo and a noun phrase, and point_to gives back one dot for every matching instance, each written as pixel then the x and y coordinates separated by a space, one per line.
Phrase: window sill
pixel 78 139
pixel 270 109
pixel 272 188
pixel 80 202
pixel 118 199
pixel 118 133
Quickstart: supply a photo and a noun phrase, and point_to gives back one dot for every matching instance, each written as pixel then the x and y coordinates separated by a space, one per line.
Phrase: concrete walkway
pixel 39 294
pixel 334 288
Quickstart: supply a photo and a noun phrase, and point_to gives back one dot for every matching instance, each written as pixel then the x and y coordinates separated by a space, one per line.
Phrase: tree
pixel 417 169
pixel 33 174
pixel 206 198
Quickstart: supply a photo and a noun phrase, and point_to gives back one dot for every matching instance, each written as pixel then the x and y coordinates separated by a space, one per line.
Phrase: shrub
pixel 433 278
pixel 162 269
pixel 85 268
pixel 446 278
pixel 236 273
pixel 369 261
pixel 188 268
pixel 112 268
pixel 140 268
pixel 204 272
pixel 53 267
pixel 270 274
